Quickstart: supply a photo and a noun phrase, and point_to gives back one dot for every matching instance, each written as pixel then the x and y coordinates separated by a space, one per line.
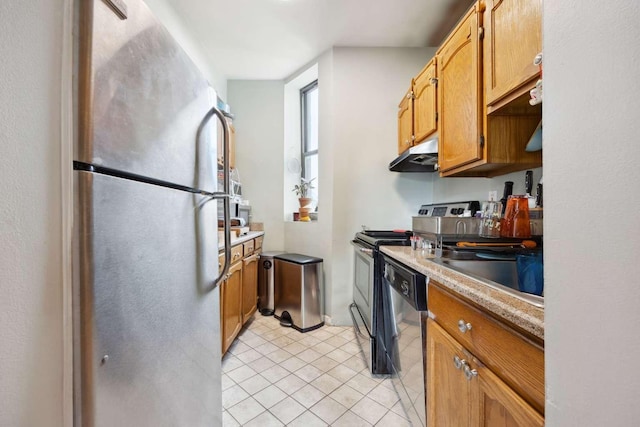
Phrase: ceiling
pixel 271 39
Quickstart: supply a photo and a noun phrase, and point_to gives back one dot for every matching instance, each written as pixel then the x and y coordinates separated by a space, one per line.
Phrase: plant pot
pixel 304 201
pixel 304 214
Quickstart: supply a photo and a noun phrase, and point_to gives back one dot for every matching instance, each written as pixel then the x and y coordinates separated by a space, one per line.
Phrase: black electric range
pixel 367 307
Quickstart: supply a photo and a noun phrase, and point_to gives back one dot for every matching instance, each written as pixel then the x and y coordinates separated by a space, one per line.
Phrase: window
pixel 309 140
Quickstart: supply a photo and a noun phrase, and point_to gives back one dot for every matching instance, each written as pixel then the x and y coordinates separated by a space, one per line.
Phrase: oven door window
pixel 363 284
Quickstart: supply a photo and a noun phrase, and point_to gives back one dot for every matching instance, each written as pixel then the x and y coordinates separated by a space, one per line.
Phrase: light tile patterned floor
pixel 276 376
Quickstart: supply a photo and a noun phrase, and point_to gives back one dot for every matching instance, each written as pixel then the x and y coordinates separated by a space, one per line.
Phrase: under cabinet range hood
pixel 419 158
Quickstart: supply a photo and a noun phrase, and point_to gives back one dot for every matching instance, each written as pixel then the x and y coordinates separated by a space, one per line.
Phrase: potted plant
pixel 301 191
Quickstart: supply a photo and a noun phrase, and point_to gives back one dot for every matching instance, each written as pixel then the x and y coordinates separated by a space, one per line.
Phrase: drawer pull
pixel 469 373
pixel 464 326
pixel 459 363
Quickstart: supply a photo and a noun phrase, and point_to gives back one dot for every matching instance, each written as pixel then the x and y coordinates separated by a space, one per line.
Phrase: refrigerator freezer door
pixel 148 331
pixel 141 99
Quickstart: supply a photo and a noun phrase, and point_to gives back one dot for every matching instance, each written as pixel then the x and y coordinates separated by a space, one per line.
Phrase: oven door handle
pixel 355 323
pixel 362 249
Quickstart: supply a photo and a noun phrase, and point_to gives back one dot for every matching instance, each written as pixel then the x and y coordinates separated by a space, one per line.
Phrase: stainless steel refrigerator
pixel 146 302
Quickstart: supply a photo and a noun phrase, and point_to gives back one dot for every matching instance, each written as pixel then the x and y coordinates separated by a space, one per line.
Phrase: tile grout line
pixel 259 334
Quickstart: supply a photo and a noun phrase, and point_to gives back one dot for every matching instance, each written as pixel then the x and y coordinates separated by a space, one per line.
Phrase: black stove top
pixel 375 238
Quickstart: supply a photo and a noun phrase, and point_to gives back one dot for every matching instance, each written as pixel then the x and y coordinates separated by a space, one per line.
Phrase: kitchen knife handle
pixel 528 182
pixel 508 190
pixel 539 196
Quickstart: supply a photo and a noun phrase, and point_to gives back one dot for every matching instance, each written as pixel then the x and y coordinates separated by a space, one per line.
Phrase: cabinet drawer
pixel 518 361
pixel 258 242
pixel 248 247
pixel 236 255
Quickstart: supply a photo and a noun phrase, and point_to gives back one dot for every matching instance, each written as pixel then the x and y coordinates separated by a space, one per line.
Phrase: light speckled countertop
pixel 514 310
pixel 241 239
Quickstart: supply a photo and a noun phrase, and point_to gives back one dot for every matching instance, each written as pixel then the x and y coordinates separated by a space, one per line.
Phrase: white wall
pixel 31 315
pixel 462 189
pixel 368 85
pixel 592 237
pixel 259 122
pixel 313 238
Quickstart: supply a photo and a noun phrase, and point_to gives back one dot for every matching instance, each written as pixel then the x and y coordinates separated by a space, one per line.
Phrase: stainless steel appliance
pixel 240 211
pixel 419 158
pixel 367 310
pixel 146 301
pixel 266 282
pixel 299 294
pixel 405 293
pixel 449 209
pixel 441 226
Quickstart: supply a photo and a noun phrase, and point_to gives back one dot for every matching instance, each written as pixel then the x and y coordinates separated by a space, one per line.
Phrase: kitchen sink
pixel 499 274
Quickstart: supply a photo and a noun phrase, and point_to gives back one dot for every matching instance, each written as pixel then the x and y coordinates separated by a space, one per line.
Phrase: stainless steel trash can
pixel 299 291
pixel 266 280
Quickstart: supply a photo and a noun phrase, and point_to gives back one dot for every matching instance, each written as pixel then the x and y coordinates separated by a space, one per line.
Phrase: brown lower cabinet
pixel 464 392
pixel 249 286
pixel 479 372
pixel 231 306
pixel 239 290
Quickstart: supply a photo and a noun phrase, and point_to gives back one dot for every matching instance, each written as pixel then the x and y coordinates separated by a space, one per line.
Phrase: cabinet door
pixel 405 123
pixel 424 102
pixel 448 390
pixel 513 37
pixel 249 286
pixel 231 305
pixel 460 96
pixel 517 360
pixel 498 405
pixel 232 144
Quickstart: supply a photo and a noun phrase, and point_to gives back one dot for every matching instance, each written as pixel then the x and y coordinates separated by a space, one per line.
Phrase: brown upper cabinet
pixel 425 111
pixel 405 122
pixel 473 142
pixel 461 137
pixel 513 37
pixel 483 73
pixel 417 112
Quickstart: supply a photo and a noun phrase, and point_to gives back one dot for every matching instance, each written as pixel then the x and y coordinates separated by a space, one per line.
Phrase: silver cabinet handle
pixel 469 373
pixel 458 363
pixel 464 326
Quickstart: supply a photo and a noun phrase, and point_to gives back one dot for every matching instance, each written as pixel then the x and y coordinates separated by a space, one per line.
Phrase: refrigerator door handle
pixel 224 195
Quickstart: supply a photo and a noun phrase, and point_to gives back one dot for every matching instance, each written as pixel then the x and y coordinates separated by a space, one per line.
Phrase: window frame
pixel 304 153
